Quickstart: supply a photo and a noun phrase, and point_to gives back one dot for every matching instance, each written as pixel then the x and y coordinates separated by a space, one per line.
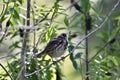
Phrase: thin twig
pixel 42 19
pixel 7 23
pixel 39 39
pixel 86 55
pixel 34 54
pixel 107 43
pixel 81 69
pixel 77 7
pixel 20 73
pixel 5 31
pixel 34 41
pixel 3 9
pixel 6 71
pixel 73 3
pixel 25 40
pixel 87 36
pixel 44 67
pixel 9 55
pixel 99 51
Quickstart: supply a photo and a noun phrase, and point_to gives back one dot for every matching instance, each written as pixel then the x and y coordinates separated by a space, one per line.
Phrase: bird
pixel 56 47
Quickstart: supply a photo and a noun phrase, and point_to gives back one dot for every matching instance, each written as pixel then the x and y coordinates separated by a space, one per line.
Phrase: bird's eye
pixel 64 35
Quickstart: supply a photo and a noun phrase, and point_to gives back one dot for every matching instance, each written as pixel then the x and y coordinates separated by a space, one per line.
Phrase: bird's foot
pixel 63 58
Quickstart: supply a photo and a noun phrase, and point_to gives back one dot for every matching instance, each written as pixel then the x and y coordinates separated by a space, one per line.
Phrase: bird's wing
pixel 53 44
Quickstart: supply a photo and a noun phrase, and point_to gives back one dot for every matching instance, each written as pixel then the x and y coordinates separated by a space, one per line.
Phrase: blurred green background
pixel 67 68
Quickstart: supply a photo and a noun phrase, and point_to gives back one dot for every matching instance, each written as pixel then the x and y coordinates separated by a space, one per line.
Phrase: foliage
pixel 46 23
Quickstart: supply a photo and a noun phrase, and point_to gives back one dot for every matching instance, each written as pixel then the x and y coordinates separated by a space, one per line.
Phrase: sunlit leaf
pixel 66 21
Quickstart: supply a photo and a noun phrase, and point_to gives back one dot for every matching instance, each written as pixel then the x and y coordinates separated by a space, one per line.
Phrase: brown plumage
pixel 56 47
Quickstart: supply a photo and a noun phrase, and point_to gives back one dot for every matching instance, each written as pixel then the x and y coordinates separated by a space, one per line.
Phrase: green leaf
pixel 114 32
pixel 78 55
pixel 51 32
pixel 21 1
pixel 85 5
pixel 56 5
pixel 115 61
pixel 61 28
pixel 70 47
pixel 103 35
pixel 15 45
pixel 80 47
pixel 66 21
pixel 74 63
pixel 16 14
pixel 14 34
pixel 11 10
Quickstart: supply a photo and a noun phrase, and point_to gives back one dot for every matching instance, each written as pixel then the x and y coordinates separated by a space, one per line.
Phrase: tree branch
pixel 34 41
pixel 24 45
pixel 87 36
pixel 6 71
pixel 9 55
pixel 108 42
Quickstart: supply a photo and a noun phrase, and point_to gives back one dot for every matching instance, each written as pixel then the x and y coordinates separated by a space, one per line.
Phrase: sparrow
pixel 56 47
